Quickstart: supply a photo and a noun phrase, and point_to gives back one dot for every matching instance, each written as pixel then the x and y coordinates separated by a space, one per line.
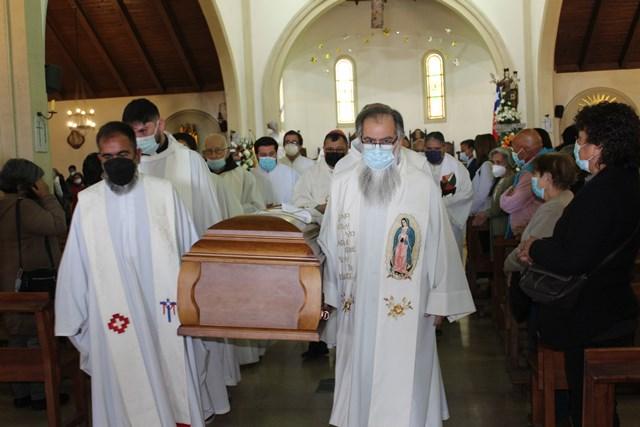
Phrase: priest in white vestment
pixel 164 157
pixel 312 189
pixel 235 179
pixel 116 296
pixel 453 179
pixel 393 272
pixel 292 143
pixel 275 180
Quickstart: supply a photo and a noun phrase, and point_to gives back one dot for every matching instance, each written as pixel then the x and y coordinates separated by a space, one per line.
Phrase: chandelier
pixel 80 119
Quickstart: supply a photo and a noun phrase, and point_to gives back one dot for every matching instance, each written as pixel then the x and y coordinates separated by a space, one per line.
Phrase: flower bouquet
pixel 242 151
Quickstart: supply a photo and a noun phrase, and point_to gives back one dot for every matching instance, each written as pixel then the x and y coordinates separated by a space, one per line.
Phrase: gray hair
pixel 379 186
pixel 376 110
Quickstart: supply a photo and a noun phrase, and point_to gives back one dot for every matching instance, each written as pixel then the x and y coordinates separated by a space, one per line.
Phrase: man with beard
pixel 116 294
pixel 455 184
pixel 164 157
pixel 392 272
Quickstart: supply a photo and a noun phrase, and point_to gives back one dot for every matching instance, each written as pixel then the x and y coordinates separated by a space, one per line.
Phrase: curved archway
pixel 316 8
pixel 591 95
pixel 227 67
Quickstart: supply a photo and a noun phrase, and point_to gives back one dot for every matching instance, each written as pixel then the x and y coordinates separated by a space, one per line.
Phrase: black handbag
pixel 548 288
pixel 40 279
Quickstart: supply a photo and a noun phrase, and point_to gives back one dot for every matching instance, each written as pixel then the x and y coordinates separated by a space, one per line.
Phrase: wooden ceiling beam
pixel 130 28
pixel 93 37
pixel 74 65
pixel 633 33
pixel 178 42
pixel 588 39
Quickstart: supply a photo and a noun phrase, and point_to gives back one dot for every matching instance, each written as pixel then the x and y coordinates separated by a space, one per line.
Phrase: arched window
pixel 434 88
pixel 345 91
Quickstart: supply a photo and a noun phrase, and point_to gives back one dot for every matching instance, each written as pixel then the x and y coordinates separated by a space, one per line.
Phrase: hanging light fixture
pixel 80 118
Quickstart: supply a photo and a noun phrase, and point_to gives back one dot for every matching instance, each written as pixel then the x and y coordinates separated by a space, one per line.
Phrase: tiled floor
pixel 281 390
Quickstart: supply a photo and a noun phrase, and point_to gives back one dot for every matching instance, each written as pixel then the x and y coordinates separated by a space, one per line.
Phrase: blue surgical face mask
pixel 582 164
pixel 519 162
pixel 267 163
pixel 535 187
pixel 378 157
pixel 463 157
pixel 148 144
pixel 216 165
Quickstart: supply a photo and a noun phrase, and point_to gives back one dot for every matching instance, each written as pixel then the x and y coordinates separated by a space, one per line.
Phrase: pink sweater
pixel 520 204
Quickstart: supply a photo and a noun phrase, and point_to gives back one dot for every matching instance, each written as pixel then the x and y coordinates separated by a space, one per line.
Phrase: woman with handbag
pixel 595 242
pixel 27 208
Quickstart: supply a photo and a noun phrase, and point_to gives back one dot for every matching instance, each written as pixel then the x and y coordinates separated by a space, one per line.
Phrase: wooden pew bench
pixel 603 369
pixel 48 363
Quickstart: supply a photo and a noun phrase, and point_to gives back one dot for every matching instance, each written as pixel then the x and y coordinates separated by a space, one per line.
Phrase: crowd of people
pixel 393 211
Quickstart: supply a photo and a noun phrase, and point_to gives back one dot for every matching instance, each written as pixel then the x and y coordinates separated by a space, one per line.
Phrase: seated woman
pixel 503 170
pixel 553 175
pixel 600 221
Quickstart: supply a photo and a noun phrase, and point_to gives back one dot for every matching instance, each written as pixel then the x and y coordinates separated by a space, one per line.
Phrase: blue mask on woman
pixel 535 187
pixel 378 157
pixel 267 163
pixel 582 164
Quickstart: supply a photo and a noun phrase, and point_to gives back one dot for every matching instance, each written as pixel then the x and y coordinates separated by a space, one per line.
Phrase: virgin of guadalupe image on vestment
pixel 403 247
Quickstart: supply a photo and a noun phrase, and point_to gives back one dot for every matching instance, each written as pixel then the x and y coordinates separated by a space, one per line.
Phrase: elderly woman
pixel 599 221
pixel 503 170
pixel 41 220
pixel 553 175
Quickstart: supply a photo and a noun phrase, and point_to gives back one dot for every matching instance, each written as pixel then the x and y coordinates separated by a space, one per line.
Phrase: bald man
pixel 519 201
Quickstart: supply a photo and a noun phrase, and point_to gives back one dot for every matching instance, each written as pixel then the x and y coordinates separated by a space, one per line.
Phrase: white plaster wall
pixel 389 70
pixel 107 109
pixel 568 85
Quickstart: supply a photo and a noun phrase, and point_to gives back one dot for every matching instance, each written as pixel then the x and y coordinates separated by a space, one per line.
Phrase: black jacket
pixel 473 167
pixel 599 219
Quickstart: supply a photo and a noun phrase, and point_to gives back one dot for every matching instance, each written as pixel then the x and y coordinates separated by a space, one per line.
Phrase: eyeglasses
pixel 215 151
pixel 384 141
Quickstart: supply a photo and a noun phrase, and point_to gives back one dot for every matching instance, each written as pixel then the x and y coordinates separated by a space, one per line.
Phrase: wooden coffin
pixel 253 277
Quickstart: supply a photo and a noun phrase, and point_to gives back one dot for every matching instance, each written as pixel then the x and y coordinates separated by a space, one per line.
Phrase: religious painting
pixel 448 184
pixel 403 247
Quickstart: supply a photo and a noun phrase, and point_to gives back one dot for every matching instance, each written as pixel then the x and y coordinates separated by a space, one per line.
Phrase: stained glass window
pixel 345 91
pixel 434 87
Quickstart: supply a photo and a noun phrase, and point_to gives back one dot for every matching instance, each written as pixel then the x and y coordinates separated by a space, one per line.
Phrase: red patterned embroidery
pixel 183 425
pixel 118 323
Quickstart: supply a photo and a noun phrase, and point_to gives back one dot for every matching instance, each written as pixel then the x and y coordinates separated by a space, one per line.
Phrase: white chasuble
pixel 389 270
pixel 457 193
pixel 117 301
pixel 190 176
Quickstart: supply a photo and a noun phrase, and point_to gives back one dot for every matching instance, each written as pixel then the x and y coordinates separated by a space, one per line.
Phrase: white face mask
pixel 498 171
pixel 291 149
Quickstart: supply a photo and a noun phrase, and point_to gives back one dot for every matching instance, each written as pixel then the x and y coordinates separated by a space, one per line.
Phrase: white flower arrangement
pixel 507 113
pixel 242 152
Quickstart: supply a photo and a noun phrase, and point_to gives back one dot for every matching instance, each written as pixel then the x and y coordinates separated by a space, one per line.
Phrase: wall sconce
pixel 51 110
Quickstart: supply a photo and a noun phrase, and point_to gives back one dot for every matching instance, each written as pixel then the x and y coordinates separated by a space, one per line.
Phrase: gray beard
pixel 121 189
pixel 379 187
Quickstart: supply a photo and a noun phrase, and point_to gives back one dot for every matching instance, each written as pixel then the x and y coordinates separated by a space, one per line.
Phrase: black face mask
pixel 332 158
pixel 120 170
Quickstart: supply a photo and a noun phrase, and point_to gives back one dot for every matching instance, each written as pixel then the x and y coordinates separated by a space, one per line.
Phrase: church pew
pixel 501 248
pixel 478 261
pixel 603 369
pixel 48 363
pixel 547 376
